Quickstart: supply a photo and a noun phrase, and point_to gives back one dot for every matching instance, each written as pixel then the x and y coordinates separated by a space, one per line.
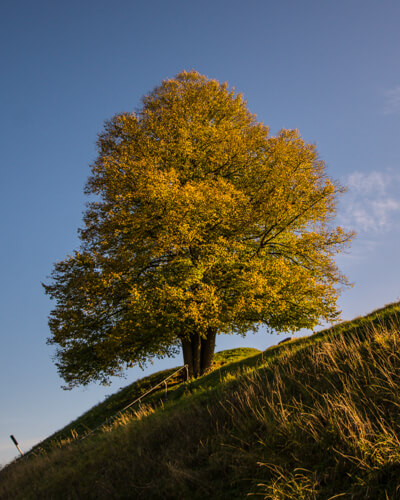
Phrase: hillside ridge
pixel 311 418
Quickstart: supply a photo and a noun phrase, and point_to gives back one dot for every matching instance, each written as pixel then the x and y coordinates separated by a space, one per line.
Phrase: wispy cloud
pixel 372 203
pixel 392 101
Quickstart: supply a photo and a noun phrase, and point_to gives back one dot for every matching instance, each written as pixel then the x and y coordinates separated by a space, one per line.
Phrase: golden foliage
pixel 201 221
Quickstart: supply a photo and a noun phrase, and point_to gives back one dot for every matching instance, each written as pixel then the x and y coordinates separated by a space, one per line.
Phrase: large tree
pixel 199 224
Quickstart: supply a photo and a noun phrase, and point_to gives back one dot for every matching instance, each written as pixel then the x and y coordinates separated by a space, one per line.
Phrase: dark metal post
pixel 16 444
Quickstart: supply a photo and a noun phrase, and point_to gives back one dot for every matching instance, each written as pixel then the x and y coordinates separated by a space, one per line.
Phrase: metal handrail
pixel 164 381
pixel 135 401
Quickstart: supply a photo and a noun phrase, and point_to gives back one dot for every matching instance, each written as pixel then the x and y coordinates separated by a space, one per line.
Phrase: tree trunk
pixel 198 353
pixel 207 352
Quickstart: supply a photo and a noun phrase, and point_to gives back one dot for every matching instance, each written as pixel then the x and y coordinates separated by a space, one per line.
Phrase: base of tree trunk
pixel 198 353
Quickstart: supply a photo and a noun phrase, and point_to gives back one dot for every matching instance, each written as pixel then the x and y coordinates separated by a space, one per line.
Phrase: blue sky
pixel 330 69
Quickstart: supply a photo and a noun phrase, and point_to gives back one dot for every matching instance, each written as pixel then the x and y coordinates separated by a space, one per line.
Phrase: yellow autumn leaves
pixel 201 221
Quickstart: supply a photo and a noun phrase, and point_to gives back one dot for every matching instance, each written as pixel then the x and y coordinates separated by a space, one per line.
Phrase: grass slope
pixel 314 418
pixel 105 410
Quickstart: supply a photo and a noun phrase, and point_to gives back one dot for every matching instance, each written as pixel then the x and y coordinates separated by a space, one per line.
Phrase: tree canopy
pixel 200 223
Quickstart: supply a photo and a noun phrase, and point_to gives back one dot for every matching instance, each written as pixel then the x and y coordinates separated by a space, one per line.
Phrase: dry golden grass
pixel 330 417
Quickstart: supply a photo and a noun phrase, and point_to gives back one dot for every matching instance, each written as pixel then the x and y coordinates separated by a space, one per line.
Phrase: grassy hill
pixel 106 410
pixel 313 418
